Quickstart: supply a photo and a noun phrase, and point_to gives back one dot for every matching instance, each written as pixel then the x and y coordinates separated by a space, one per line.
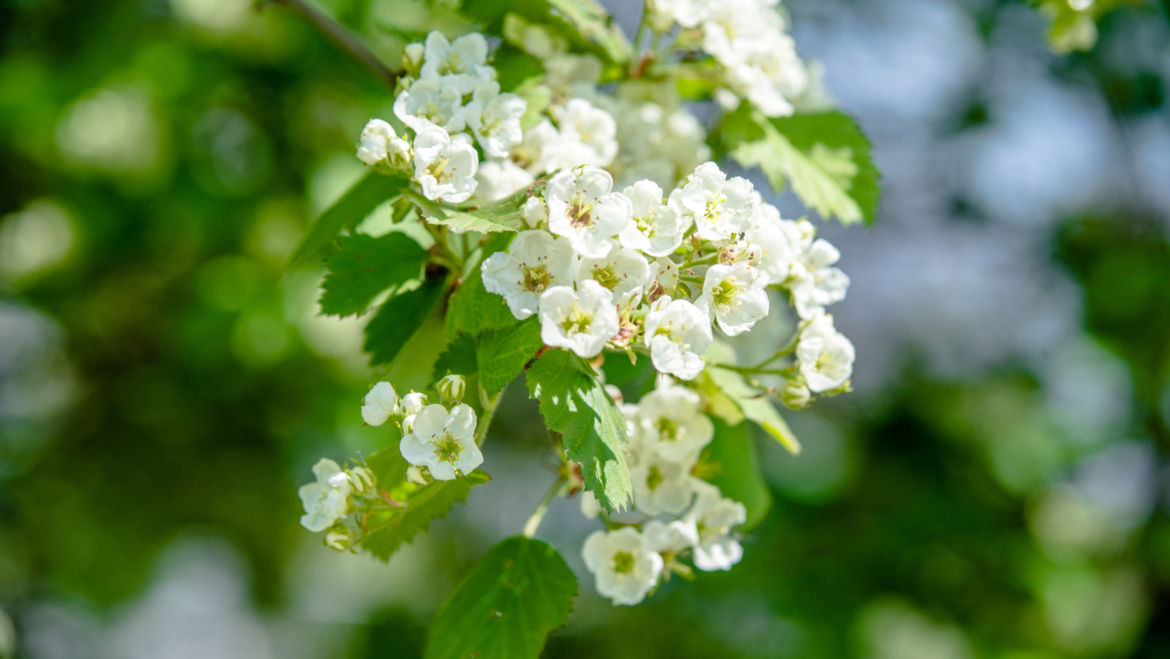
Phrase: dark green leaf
pixel 457 359
pixel 390 530
pixel 730 396
pixel 504 215
pixel 473 309
pixel 502 354
pixel 355 205
pixel 575 404
pixel 518 592
pixel 732 453
pixel 365 266
pixel 397 320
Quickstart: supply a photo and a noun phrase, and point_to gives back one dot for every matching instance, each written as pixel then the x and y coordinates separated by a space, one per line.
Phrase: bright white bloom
pixel 687 13
pixel 719 207
pixel 494 118
pixel 623 271
pixel 759 59
pixel 657 228
pixel 735 294
pixel 814 283
pixel 670 422
pixel 590 506
pixel 677 333
pixel 663 279
pixel 594 128
pixel 673 536
pixel 714 516
pixel 379 143
pixel 625 568
pixel 326 499
pixel 662 485
pixel 445 166
pixel 534 262
pixel 582 208
pixel 535 213
pixel 380 404
pixel 412 404
pixel 581 320
pixel 658 142
pixel 465 56
pixel 442 441
pixel 430 102
pixel 824 355
pixel 781 242
pixel 498 179
pixel 362 480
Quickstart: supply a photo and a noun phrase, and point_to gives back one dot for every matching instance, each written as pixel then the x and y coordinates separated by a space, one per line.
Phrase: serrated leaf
pixel 593 22
pixel 751 402
pixel 473 309
pixel 364 266
pixel 575 404
pixel 505 608
pixel 457 359
pixel 502 354
pixel 584 22
pixel 504 215
pixel 371 191
pixel 732 454
pixel 397 320
pixel 824 157
pixel 390 530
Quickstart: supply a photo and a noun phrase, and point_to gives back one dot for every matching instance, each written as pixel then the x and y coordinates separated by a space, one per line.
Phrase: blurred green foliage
pixel 158 163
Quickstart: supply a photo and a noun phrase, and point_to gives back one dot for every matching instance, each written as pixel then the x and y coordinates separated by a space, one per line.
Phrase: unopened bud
pixel 795 394
pixel 452 388
pixel 340 539
pixel 413 403
pixel 412 58
pixel 399 153
pixel 535 213
pixel 363 481
pixel 415 475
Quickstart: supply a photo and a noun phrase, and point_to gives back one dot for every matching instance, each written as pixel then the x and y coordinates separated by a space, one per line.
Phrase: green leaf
pixel 575 404
pixel 504 215
pixel 505 608
pixel 728 389
pixel 593 22
pixel 473 309
pixel 364 266
pixel 355 205
pixel 397 320
pixel 502 354
pixel 391 529
pixel 458 358
pixel 737 470
pixel 824 156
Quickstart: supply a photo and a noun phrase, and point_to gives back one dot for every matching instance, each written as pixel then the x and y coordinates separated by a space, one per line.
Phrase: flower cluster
pixel 332 499
pixel 638 269
pixel 756 56
pixel 435 438
pixel 451 103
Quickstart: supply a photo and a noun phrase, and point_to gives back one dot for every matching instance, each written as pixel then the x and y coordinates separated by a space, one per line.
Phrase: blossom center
pixel 581 214
pixel 654 477
pixel 447 449
pixel 576 322
pixel 537 278
pixel 605 276
pixel 623 562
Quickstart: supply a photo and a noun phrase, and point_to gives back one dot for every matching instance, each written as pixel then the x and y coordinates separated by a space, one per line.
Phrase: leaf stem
pixel 343 39
pixel 533 523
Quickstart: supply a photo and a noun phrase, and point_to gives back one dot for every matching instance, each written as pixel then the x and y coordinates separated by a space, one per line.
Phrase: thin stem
pixel 489 404
pixel 537 516
pixel 710 258
pixel 750 370
pixel 344 39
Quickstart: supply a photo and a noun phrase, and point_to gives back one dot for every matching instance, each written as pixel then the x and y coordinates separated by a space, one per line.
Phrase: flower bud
pixel 340 539
pixel 415 475
pixel 795 394
pixel 535 213
pixel 412 58
pixel 363 481
pixel 413 403
pixel 452 388
pixel 399 153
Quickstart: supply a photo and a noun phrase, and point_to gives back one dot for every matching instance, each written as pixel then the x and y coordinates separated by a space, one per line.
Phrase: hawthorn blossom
pixel 443 442
pixel 445 165
pixel 379 404
pixel 814 284
pixel 674 536
pixel 670 422
pixel 494 118
pixel 379 143
pixel 589 126
pixel 534 262
pixel 460 63
pixel 718 206
pixel 735 294
pixel 431 102
pixel 656 229
pixel 624 566
pixel 824 355
pixel 582 208
pixel 499 179
pixel 326 499
pixel 677 334
pixel 714 516
pixel 622 271
pixel 663 279
pixel 662 485
pixel 581 320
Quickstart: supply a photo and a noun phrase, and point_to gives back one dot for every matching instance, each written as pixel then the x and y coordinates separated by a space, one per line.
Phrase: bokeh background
pixel 996 487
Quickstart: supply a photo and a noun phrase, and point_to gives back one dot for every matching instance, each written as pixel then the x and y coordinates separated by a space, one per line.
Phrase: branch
pixel 344 39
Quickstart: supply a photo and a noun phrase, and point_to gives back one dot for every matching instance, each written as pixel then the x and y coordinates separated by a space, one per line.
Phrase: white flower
pixel 534 262
pixel 670 422
pixel 657 228
pixel 590 506
pixel 379 143
pixel 672 537
pixel 625 568
pixel 662 485
pixel 326 499
pixel 380 404
pixel 623 271
pixel 442 441
pixel 362 480
pixel 594 128
pixel 736 295
pixel 498 179
pixel 719 207
pixel 663 279
pixel 714 516
pixel 429 102
pixel 677 333
pixel 813 283
pixel 495 119
pixel 412 404
pixel 535 213
pixel 445 166
pixel 581 321
pixel 461 62
pixel 687 13
pixel 824 355
pixel 582 208
pixel 781 242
